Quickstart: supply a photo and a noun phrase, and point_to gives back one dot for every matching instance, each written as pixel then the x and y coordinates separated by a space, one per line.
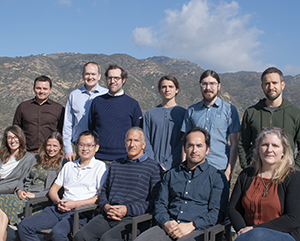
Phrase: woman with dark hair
pixel 264 204
pixel 15 162
pixel 39 180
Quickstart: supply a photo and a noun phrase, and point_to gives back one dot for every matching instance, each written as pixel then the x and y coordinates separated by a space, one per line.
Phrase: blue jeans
pixel 265 234
pixel 60 222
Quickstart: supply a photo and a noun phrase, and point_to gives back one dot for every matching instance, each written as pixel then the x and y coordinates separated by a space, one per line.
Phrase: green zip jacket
pixel 286 116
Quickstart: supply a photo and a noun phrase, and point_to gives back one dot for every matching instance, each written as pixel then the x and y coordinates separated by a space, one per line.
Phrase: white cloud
pixel 214 36
pixel 291 69
pixel 65 2
pixel 143 37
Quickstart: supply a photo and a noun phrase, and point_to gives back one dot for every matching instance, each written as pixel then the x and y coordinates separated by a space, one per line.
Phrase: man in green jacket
pixel 272 111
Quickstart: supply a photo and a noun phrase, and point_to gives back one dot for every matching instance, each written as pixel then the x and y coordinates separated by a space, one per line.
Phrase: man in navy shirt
pixel 112 114
pixel 192 196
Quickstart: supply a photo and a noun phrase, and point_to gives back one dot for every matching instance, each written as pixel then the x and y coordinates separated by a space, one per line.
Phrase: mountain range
pixel 241 89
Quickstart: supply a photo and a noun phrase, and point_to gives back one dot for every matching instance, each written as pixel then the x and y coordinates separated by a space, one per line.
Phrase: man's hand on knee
pixel 170 226
pixel 182 230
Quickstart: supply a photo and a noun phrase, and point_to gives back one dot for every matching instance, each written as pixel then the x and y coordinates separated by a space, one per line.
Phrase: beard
pixel 272 97
pixel 207 97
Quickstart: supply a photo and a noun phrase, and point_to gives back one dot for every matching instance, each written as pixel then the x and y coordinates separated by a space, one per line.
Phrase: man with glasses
pixel 130 189
pixel 82 180
pixel 272 111
pixel 220 119
pixel 112 114
pixel 78 106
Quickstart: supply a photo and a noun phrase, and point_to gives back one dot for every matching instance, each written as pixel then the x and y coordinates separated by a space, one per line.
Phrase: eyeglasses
pixel 111 78
pixel 10 138
pixel 268 128
pixel 88 146
pixel 210 84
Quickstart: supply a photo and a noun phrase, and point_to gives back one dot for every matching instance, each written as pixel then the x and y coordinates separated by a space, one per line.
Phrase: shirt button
pixel 178 221
pixel 185 202
pixel 181 211
pixel 205 128
pixel 206 118
pixel 189 181
pixel 186 192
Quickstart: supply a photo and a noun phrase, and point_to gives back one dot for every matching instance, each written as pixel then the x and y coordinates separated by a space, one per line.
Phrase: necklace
pixel 265 192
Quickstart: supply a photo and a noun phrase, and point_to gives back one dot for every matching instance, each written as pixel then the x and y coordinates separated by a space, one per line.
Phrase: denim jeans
pixel 61 224
pixel 265 234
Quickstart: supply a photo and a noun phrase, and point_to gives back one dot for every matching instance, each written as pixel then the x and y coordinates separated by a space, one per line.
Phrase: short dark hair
pixel 197 129
pixel 89 133
pixel 94 63
pixel 124 74
pixel 170 78
pixel 209 73
pixel 272 70
pixel 43 78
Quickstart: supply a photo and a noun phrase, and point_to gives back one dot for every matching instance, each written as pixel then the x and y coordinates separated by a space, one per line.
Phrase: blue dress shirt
pixel 220 119
pixel 199 196
pixel 77 112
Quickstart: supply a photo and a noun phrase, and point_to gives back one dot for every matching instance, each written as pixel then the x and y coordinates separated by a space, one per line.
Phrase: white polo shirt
pixel 81 183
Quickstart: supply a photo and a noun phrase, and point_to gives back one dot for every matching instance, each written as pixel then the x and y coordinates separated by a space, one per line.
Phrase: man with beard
pixel 220 119
pixel 272 111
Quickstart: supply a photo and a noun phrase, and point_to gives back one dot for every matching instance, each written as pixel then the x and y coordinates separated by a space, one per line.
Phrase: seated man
pixel 81 180
pixel 192 197
pixel 130 189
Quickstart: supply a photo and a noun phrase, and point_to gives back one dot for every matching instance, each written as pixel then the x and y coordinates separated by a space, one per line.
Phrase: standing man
pixel 112 114
pixel 78 106
pixel 193 196
pixel 130 189
pixel 82 180
pixel 162 126
pixel 272 111
pixel 39 116
pixel 220 119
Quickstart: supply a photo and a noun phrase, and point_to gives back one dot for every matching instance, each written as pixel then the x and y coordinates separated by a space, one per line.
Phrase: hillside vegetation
pixel 242 89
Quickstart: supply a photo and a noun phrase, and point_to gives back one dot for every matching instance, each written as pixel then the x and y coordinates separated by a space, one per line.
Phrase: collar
pixel 121 93
pixel 142 158
pixel 200 168
pixel 48 101
pixel 89 166
pixel 96 90
pixel 217 103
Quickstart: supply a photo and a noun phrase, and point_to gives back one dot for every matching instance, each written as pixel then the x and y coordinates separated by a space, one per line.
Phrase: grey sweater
pixel 8 184
pixel 25 181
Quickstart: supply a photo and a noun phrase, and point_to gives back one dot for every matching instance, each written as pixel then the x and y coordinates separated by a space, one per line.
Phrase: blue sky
pixel 226 36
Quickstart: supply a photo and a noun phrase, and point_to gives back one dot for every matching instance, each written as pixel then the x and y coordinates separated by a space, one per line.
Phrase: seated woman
pixel 15 162
pixel 39 180
pixel 264 204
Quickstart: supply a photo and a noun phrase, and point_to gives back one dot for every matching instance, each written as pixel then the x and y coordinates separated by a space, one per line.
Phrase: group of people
pixel 174 162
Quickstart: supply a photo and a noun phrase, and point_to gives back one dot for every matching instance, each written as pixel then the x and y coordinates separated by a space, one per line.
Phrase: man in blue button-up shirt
pixel 192 197
pixel 220 119
pixel 78 106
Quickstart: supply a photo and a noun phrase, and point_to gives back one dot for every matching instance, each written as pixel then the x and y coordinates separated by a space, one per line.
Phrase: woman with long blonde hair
pixel 264 204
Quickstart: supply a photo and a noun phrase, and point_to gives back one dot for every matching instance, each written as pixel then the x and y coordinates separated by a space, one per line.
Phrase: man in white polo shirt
pixel 81 180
